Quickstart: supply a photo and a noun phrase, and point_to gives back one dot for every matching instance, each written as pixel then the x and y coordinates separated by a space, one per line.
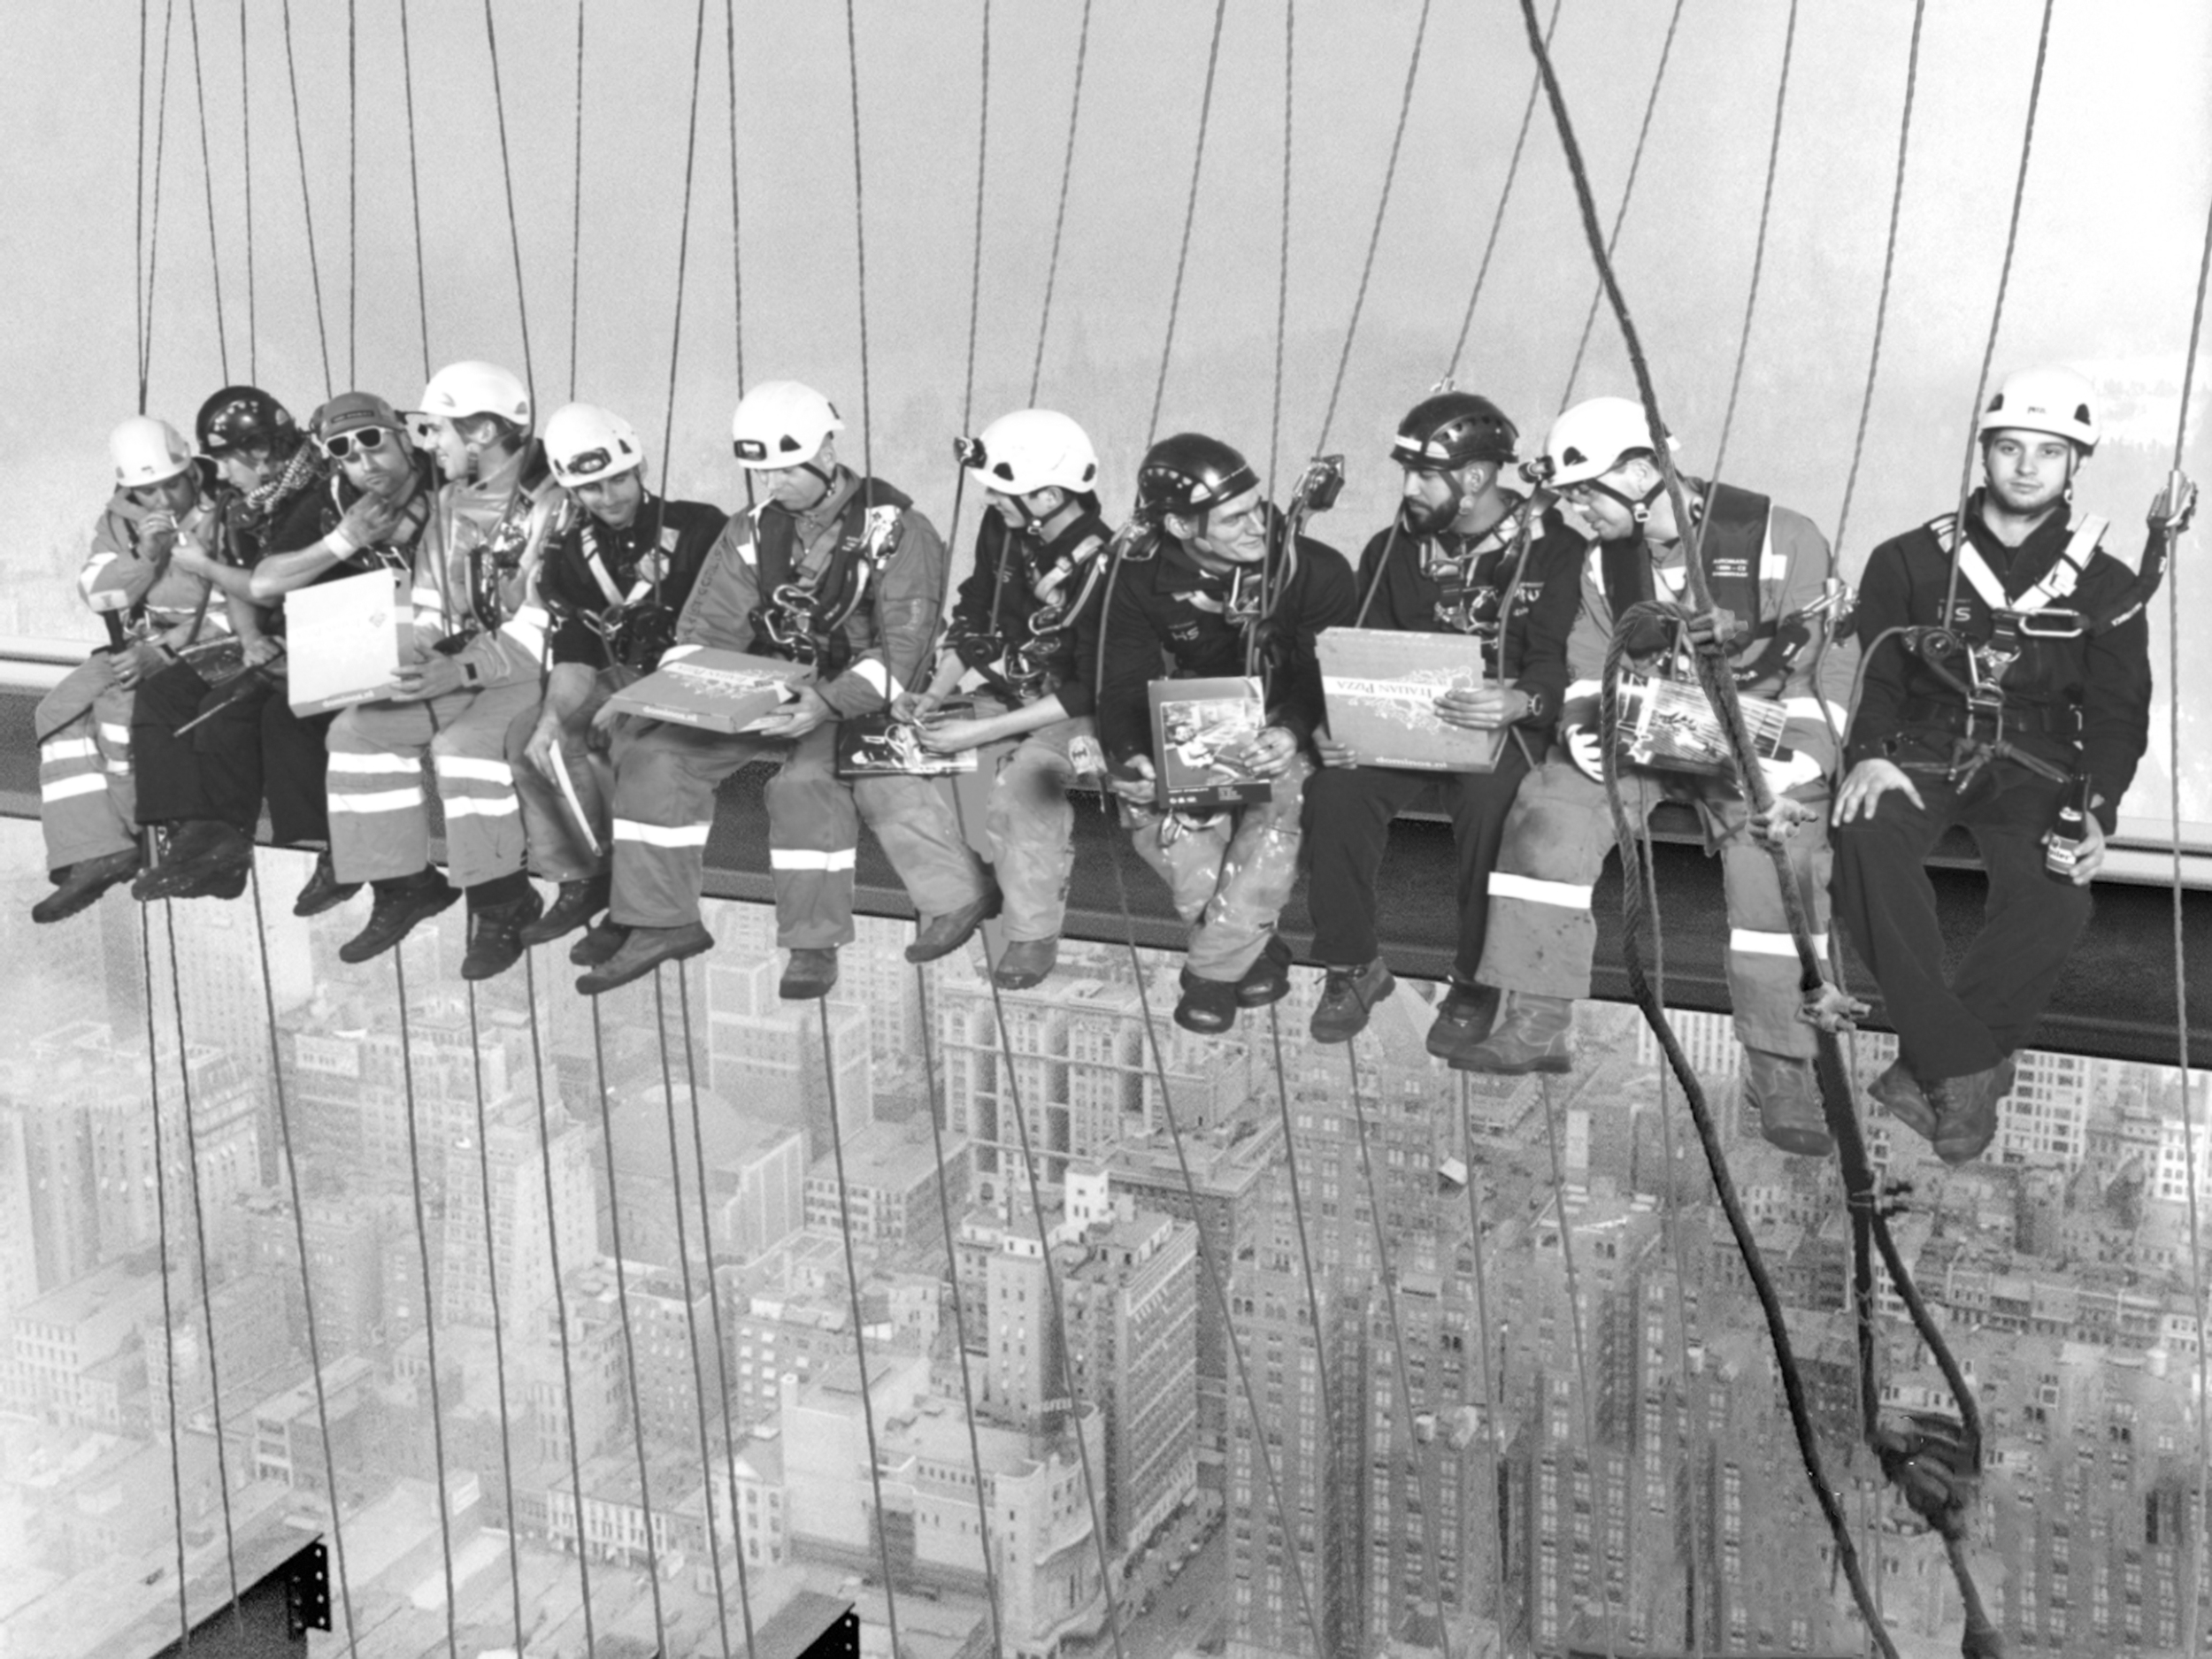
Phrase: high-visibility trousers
pixel 664 808
pixel 88 803
pixel 2032 920
pixel 380 825
pixel 1029 824
pixel 1348 810
pixel 1228 876
pixel 559 849
pixel 1542 933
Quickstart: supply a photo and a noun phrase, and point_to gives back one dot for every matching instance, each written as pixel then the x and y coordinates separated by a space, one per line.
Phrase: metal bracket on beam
pixel 307 1589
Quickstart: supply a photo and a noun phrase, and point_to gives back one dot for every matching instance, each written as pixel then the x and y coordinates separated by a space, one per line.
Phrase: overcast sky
pixel 2108 242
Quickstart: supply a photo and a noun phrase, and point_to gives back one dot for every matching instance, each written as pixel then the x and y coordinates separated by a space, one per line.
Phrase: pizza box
pixel 1381 687
pixel 345 640
pixel 1198 726
pixel 716 691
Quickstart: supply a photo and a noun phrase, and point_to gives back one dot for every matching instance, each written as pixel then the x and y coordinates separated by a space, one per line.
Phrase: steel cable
pixel 307 203
pixel 860 253
pixel 207 180
pixel 1190 216
pixel 737 222
pixel 414 191
pixel 168 1308
pixel 683 234
pixel 1059 215
pixel 153 234
pixel 576 204
pixel 245 121
pixel 1505 195
pixel 1282 258
pixel 514 223
pixel 1758 246
pixel 491 1285
pixel 975 278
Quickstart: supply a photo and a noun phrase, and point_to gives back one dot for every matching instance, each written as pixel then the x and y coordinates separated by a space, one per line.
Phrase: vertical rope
pixel 1505 195
pixel 1997 310
pixel 1628 192
pixel 629 1341
pixel 714 1310
pixel 860 1341
pixel 1298 1220
pixel 414 197
pixel 959 1310
pixel 168 1308
pixel 138 235
pixel 307 1282
pixel 1282 258
pixel 429 1309
pixel 1190 216
pixel 860 249
pixel 207 1280
pixel 975 274
pixel 499 1340
pixel 514 236
pixel 207 179
pixel 1889 268
pixel 576 211
pixel 1060 216
pixel 1490 1386
pixel 1374 236
pixel 1401 1372
pixel 307 205
pixel 683 233
pixel 560 1290
pixel 737 218
pixel 245 122
pixel 1759 245
pixel 353 190
pixel 2181 960
pixel 153 234
pixel 691 1312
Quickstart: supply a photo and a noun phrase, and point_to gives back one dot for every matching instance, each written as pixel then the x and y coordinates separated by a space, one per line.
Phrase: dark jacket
pixel 1164 618
pixel 1412 597
pixel 2084 701
pixel 996 613
pixel 652 566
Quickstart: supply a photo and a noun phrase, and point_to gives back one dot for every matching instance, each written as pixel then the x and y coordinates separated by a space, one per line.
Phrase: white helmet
pixel 2053 399
pixel 1030 450
pixel 781 423
pixel 460 390
pixel 584 442
pixel 1587 440
pixel 147 451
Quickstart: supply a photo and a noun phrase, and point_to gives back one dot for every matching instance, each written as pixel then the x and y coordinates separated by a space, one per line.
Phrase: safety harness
pixel 632 631
pixel 1021 668
pixel 803 617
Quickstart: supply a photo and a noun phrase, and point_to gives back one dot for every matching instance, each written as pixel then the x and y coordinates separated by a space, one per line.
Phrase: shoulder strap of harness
pixel 2056 584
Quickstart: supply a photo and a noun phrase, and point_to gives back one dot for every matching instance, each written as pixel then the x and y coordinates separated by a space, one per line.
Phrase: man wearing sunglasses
pixel 154 609
pixel 480 641
pixel 843 573
pixel 614 581
pixel 1770 575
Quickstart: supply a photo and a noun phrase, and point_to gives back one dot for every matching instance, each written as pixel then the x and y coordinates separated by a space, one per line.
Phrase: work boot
pixel 83 882
pixel 600 941
pixel 811 973
pixel 1026 963
pixel 1533 1034
pixel 324 891
pixel 205 858
pixel 1208 1006
pixel 1899 1090
pixel 1347 995
pixel 1966 1111
pixel 942 935
pixel 495 935
pixel 401 902
pixel 642 951
pixel 1464 1019
pixel 573 906
pixel 1267 979
pixel 1785 1093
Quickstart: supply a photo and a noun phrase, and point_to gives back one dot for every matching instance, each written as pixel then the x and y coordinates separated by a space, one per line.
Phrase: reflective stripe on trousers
pixel 88 798
pixel 378 819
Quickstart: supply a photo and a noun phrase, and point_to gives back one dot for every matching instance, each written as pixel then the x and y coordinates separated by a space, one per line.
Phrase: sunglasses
pixel 368 439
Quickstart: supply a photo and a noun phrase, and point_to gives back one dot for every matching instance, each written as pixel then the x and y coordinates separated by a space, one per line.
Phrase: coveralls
pixel 1230 873
pixel 665 774
pixel 1446 584
pixel 1765 563
pixel 87 802
pixel 475 600
pixel 614 596
pixel 2080 704
pixel 1017 618
pixel 250 746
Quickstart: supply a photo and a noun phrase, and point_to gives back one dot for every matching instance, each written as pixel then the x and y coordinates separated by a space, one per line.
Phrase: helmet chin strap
pixel 1639 506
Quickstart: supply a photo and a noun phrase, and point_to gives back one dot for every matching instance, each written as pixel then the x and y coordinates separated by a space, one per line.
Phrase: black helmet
pixel 1450 429
pixel 245 417
pixel 1189 473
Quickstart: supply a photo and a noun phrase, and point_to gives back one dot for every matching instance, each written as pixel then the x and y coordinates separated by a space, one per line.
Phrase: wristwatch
pixel 471 677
